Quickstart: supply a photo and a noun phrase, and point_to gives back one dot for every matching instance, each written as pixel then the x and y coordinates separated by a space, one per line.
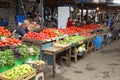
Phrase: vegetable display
pixel 43 35
pixel 50 33
pixel 24 50
pixel 4 32
pixel 6 58
pixel 10 41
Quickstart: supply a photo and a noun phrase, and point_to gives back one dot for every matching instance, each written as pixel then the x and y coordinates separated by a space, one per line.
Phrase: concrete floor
pixel 103 64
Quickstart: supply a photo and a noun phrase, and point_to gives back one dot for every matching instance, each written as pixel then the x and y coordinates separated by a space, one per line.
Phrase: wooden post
pixel 54 64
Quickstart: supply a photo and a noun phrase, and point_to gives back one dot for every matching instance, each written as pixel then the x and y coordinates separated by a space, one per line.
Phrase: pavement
pixel 103 64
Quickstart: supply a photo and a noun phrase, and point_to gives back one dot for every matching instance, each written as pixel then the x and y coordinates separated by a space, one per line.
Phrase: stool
pixel 41 74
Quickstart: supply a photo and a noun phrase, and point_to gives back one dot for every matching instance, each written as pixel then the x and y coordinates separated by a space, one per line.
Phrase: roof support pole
pixel 23 7
pixel 82 7
pixel 42 11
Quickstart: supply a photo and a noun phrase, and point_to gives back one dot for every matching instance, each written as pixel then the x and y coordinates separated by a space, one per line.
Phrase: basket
pixel 39 68
pixel 32 40
pixel 57 44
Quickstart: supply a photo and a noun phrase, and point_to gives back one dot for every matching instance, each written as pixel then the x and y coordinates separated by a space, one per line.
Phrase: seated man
pixel 23 29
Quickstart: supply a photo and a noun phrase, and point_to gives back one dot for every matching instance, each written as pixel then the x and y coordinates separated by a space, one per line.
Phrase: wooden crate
pixel 57 44
pixel 32 40
pixel 80 42
pixel 39 68
pixel 23 77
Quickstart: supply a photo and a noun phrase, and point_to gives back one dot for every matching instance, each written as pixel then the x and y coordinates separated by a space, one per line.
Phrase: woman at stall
pixel 70 22
pixel 116 30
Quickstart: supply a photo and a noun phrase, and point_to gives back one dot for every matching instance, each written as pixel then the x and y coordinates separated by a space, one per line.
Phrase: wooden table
pixel 54 51
pixel 75 52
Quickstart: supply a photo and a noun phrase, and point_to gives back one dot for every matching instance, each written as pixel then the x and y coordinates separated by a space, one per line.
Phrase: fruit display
pixel 75 28
pixel 43 35
pixel 36 36
pixel 67 31
pixel 58 32
pixel 16 72
pixel 51 32
pixel 10 41
pixel 4 32
pixel 91 26
pixel 6 58
pixel 71 30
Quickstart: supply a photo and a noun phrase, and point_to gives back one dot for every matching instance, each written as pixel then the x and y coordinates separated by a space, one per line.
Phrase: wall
pixel 13 9
pixel 8 11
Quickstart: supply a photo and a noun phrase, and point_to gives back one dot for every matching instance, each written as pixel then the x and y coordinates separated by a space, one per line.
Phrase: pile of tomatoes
pixel 67 31
pixel 75 28
pixel 91 26
pixel 50 32
pixel 45 34
pixel 4 32
pixel 10 41
pixel 36 36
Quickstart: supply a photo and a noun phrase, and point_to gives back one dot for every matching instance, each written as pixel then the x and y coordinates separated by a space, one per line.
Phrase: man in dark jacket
pixel 116 30
pixel 23 29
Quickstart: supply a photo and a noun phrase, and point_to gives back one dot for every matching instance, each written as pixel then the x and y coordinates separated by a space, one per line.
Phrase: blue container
pixel 48 58
pixel 98 42
pixel 19 18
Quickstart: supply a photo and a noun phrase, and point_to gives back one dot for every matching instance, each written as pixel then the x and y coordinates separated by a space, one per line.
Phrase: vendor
pixel 108 21
pixel 34 22
pixel 23 29
pixel 70 22
pixel 116 30
pixel 34 25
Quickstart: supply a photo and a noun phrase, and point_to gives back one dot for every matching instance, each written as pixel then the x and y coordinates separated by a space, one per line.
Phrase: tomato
pixel 4 32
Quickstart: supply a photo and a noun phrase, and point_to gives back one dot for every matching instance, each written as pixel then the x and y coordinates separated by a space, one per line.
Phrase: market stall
pixel 26 58
pixel 46 44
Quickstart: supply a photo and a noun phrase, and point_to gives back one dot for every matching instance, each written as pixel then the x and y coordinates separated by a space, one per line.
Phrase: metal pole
pixel 42 11
pixel 23 7
pixel 82 7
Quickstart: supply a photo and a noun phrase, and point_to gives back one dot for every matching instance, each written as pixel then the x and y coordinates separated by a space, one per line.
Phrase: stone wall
pixel 5 13
pixel 12 10
pixel 15 8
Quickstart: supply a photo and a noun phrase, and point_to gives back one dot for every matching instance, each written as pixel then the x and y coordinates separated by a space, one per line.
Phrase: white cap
pixel 25 21
pixel 19 23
